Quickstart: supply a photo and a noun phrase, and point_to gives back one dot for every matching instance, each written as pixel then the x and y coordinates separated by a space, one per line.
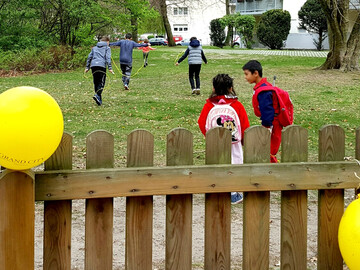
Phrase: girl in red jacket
pixel 223 109
pixel 146 51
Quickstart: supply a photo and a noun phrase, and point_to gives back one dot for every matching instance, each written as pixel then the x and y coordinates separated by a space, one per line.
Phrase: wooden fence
pixel 58 185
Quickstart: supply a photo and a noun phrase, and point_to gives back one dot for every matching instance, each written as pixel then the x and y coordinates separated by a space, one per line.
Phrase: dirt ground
pixel 78 232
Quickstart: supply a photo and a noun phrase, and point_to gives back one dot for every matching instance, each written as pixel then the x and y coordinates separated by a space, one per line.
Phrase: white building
pixel 190 18
pixel 298 38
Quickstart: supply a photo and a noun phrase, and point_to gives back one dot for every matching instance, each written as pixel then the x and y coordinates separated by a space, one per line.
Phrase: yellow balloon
pixel 31 127
pixel 349 235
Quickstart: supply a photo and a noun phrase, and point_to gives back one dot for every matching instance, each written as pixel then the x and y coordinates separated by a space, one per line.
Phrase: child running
pixel 195 55
pixel 223 109
pixel 126 49
pixel 98 58
pixel 146 51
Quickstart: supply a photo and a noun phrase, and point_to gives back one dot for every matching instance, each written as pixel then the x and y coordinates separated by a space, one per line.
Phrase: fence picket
pixel 217 205
pixel 256 205
pixel 178 256
pixel 139 210
pixel 17 220
pixel 99 212
pixel 57 214
pixel 294 148
pixel 330 202
pixel 357 144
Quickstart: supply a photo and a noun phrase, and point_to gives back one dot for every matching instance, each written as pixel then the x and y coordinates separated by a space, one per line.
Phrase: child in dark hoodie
pixel 98 58
pixel 195 57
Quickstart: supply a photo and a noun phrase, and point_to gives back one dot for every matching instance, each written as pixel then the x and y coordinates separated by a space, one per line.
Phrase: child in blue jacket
pixel 98 58
pixel 126 49
pixel 195 56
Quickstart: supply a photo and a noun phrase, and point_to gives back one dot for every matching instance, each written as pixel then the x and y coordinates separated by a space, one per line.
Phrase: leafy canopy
pixel 273 28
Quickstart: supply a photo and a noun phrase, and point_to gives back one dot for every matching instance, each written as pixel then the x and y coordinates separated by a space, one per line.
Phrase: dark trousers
pixel 194 70
pixel 126 73
pixel 99 77
pixel 145 58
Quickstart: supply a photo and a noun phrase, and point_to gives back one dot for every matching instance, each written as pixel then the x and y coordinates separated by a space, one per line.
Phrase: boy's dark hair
pixel 192 38
pixel 128 36
pixel 105 38
pixel 222 83
pixel 252 66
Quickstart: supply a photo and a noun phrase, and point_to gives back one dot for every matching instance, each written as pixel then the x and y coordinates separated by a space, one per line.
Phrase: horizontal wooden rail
pixel 86 184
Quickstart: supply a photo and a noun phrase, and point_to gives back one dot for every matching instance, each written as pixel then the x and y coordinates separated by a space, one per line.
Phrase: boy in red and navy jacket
pixel 265 104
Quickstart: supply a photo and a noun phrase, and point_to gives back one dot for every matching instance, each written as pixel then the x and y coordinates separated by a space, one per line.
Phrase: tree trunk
pixel 344 48
pixel 229 35
pixel 134 28
pixel 163 12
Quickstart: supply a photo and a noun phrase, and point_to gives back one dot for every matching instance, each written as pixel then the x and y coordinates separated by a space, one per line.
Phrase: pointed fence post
pixel 99 212
pixel 57 214
pixel 139 210
pixel 218 205
pixel 256 205
pixel 294 148
pixel 331 201
pixel 17 219
pixel 179 151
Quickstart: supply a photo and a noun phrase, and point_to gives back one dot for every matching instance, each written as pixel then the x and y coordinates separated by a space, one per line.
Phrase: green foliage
pixel 273 28
pixel 47 59
pixel 313 19
pixel 41 23
pixel 217 33
pixel 229 21
pixel 245 26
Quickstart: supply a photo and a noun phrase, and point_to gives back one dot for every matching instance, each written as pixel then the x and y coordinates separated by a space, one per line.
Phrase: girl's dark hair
pixel 192 38
pixel 223 85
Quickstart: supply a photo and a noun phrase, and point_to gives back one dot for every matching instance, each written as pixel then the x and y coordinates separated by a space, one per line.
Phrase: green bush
pixel 50 58
pixel 273 28
pixel 217 33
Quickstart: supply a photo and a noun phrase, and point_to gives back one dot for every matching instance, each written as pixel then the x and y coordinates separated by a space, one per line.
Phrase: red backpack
pixel 286 110
pixel 286 114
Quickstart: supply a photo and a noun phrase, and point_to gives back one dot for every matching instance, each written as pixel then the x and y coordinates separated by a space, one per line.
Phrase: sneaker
pixel 193 91
pixel 126 87
pixel 236 197
pixel 97 99
pixel 197 91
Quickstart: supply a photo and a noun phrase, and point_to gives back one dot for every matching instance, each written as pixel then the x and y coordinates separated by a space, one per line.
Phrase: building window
pixel 180 28
pixel 181 11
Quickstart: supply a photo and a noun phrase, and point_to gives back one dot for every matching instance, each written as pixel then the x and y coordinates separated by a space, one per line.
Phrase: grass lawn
pixel 160 98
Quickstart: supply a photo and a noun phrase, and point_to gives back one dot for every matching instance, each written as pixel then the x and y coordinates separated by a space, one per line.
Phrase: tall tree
pixel 161 6
pixel 245 25
pixel 344 35
pixel 313 19
pixel 138 11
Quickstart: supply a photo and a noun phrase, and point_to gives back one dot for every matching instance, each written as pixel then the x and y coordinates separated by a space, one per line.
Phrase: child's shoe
pixel 97 99
pixel 197 91
pixel 193 91
pixel 126 87
pixel 236 197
